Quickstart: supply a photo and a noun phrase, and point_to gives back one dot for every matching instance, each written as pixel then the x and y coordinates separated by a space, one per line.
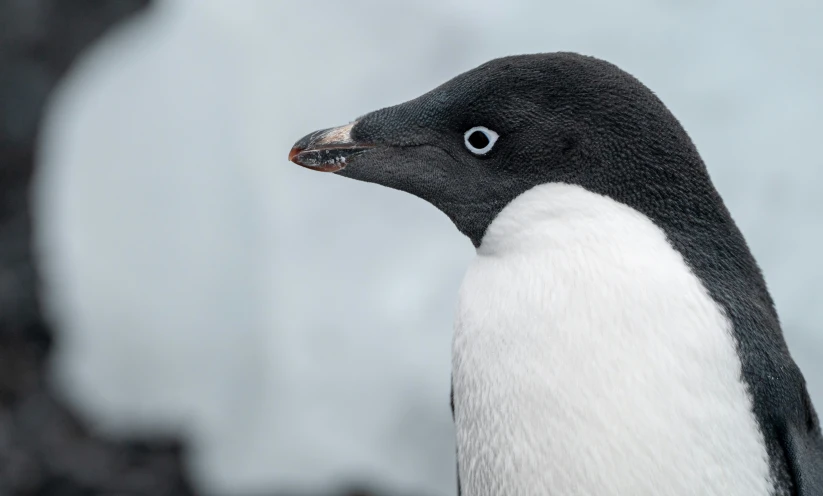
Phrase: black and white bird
pixel 614 334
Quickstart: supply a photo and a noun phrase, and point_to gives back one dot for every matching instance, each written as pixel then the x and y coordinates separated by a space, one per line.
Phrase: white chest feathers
pixel 589 360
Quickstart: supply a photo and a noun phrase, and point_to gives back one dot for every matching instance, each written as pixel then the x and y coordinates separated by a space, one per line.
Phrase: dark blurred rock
pixel 44 449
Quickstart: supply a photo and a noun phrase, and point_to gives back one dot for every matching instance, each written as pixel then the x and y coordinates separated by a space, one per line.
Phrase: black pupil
pixel 478 139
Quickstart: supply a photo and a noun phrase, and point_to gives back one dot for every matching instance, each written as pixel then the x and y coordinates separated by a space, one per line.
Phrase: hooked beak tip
pixel 293 155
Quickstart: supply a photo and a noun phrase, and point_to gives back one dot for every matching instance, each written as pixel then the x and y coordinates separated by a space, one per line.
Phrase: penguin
pixel 614 334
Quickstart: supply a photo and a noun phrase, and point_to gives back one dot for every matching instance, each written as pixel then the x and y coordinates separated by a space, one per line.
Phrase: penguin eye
pixel 479 140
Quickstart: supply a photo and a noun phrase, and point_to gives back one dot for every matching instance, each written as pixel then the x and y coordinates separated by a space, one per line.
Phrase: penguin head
pixel 473 144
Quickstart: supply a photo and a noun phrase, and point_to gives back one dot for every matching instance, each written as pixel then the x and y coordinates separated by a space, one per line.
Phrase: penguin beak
pixel 328 150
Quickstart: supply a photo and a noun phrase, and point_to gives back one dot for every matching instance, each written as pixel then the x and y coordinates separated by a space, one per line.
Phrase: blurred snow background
pixel 297 326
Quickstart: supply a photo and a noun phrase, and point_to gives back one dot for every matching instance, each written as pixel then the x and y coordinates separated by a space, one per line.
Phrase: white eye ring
pixel 490 135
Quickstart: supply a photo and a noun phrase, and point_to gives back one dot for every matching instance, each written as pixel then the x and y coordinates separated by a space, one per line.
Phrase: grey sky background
pixel 297 326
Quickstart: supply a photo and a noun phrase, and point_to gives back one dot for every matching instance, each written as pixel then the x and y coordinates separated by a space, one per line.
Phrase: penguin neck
pixel 558 216
pixel 586 352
